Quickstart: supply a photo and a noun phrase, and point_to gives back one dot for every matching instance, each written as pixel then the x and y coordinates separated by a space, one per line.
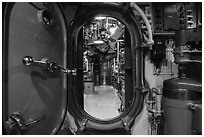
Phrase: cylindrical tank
pixel 178 94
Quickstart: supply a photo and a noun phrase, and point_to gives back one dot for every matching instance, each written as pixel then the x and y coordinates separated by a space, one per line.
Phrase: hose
pixel 135 7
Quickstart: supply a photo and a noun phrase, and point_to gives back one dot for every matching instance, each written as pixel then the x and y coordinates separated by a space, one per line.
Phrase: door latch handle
pixel 16 124
pixel 47 65
pixel 30 123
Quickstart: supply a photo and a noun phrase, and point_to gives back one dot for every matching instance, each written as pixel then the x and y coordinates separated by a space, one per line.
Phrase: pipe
pixel 150 40
pixel 158 100
pixel 155 111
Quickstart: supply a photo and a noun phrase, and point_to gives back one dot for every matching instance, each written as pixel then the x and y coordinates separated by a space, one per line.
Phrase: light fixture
pixel 100 18
pixel 92 42
pixel 98 41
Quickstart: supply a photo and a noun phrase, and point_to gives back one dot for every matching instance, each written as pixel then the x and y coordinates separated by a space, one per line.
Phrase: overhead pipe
pixel 150 40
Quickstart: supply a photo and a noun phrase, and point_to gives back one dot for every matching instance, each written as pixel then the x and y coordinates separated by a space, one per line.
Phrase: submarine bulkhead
pixel 102 68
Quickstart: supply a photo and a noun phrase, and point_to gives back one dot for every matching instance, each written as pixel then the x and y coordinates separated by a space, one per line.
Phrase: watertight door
pixel 34 98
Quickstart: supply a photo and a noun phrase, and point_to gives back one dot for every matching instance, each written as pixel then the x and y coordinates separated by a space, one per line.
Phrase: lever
pixel 47 65
pixel 17 125
pixel 30 123
pixel 30 61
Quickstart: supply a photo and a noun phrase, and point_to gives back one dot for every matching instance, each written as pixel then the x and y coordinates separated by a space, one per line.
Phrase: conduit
pixel 135 7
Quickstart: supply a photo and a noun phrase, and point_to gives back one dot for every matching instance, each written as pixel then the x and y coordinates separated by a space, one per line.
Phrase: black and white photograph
pixel 102 68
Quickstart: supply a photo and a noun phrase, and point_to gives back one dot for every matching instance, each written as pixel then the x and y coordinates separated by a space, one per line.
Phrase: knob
pixel 28 61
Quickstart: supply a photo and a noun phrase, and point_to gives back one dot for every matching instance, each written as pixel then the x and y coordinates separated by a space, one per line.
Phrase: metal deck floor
pixel 103 103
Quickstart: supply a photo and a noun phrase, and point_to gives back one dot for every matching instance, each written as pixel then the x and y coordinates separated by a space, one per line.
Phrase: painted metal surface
pixel 178 95
pixel 30 90
pixel 178 117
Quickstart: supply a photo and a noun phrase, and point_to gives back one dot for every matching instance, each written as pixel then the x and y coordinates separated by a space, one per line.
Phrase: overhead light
pixel 93 42
pixel 100 18
pixel 98 42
